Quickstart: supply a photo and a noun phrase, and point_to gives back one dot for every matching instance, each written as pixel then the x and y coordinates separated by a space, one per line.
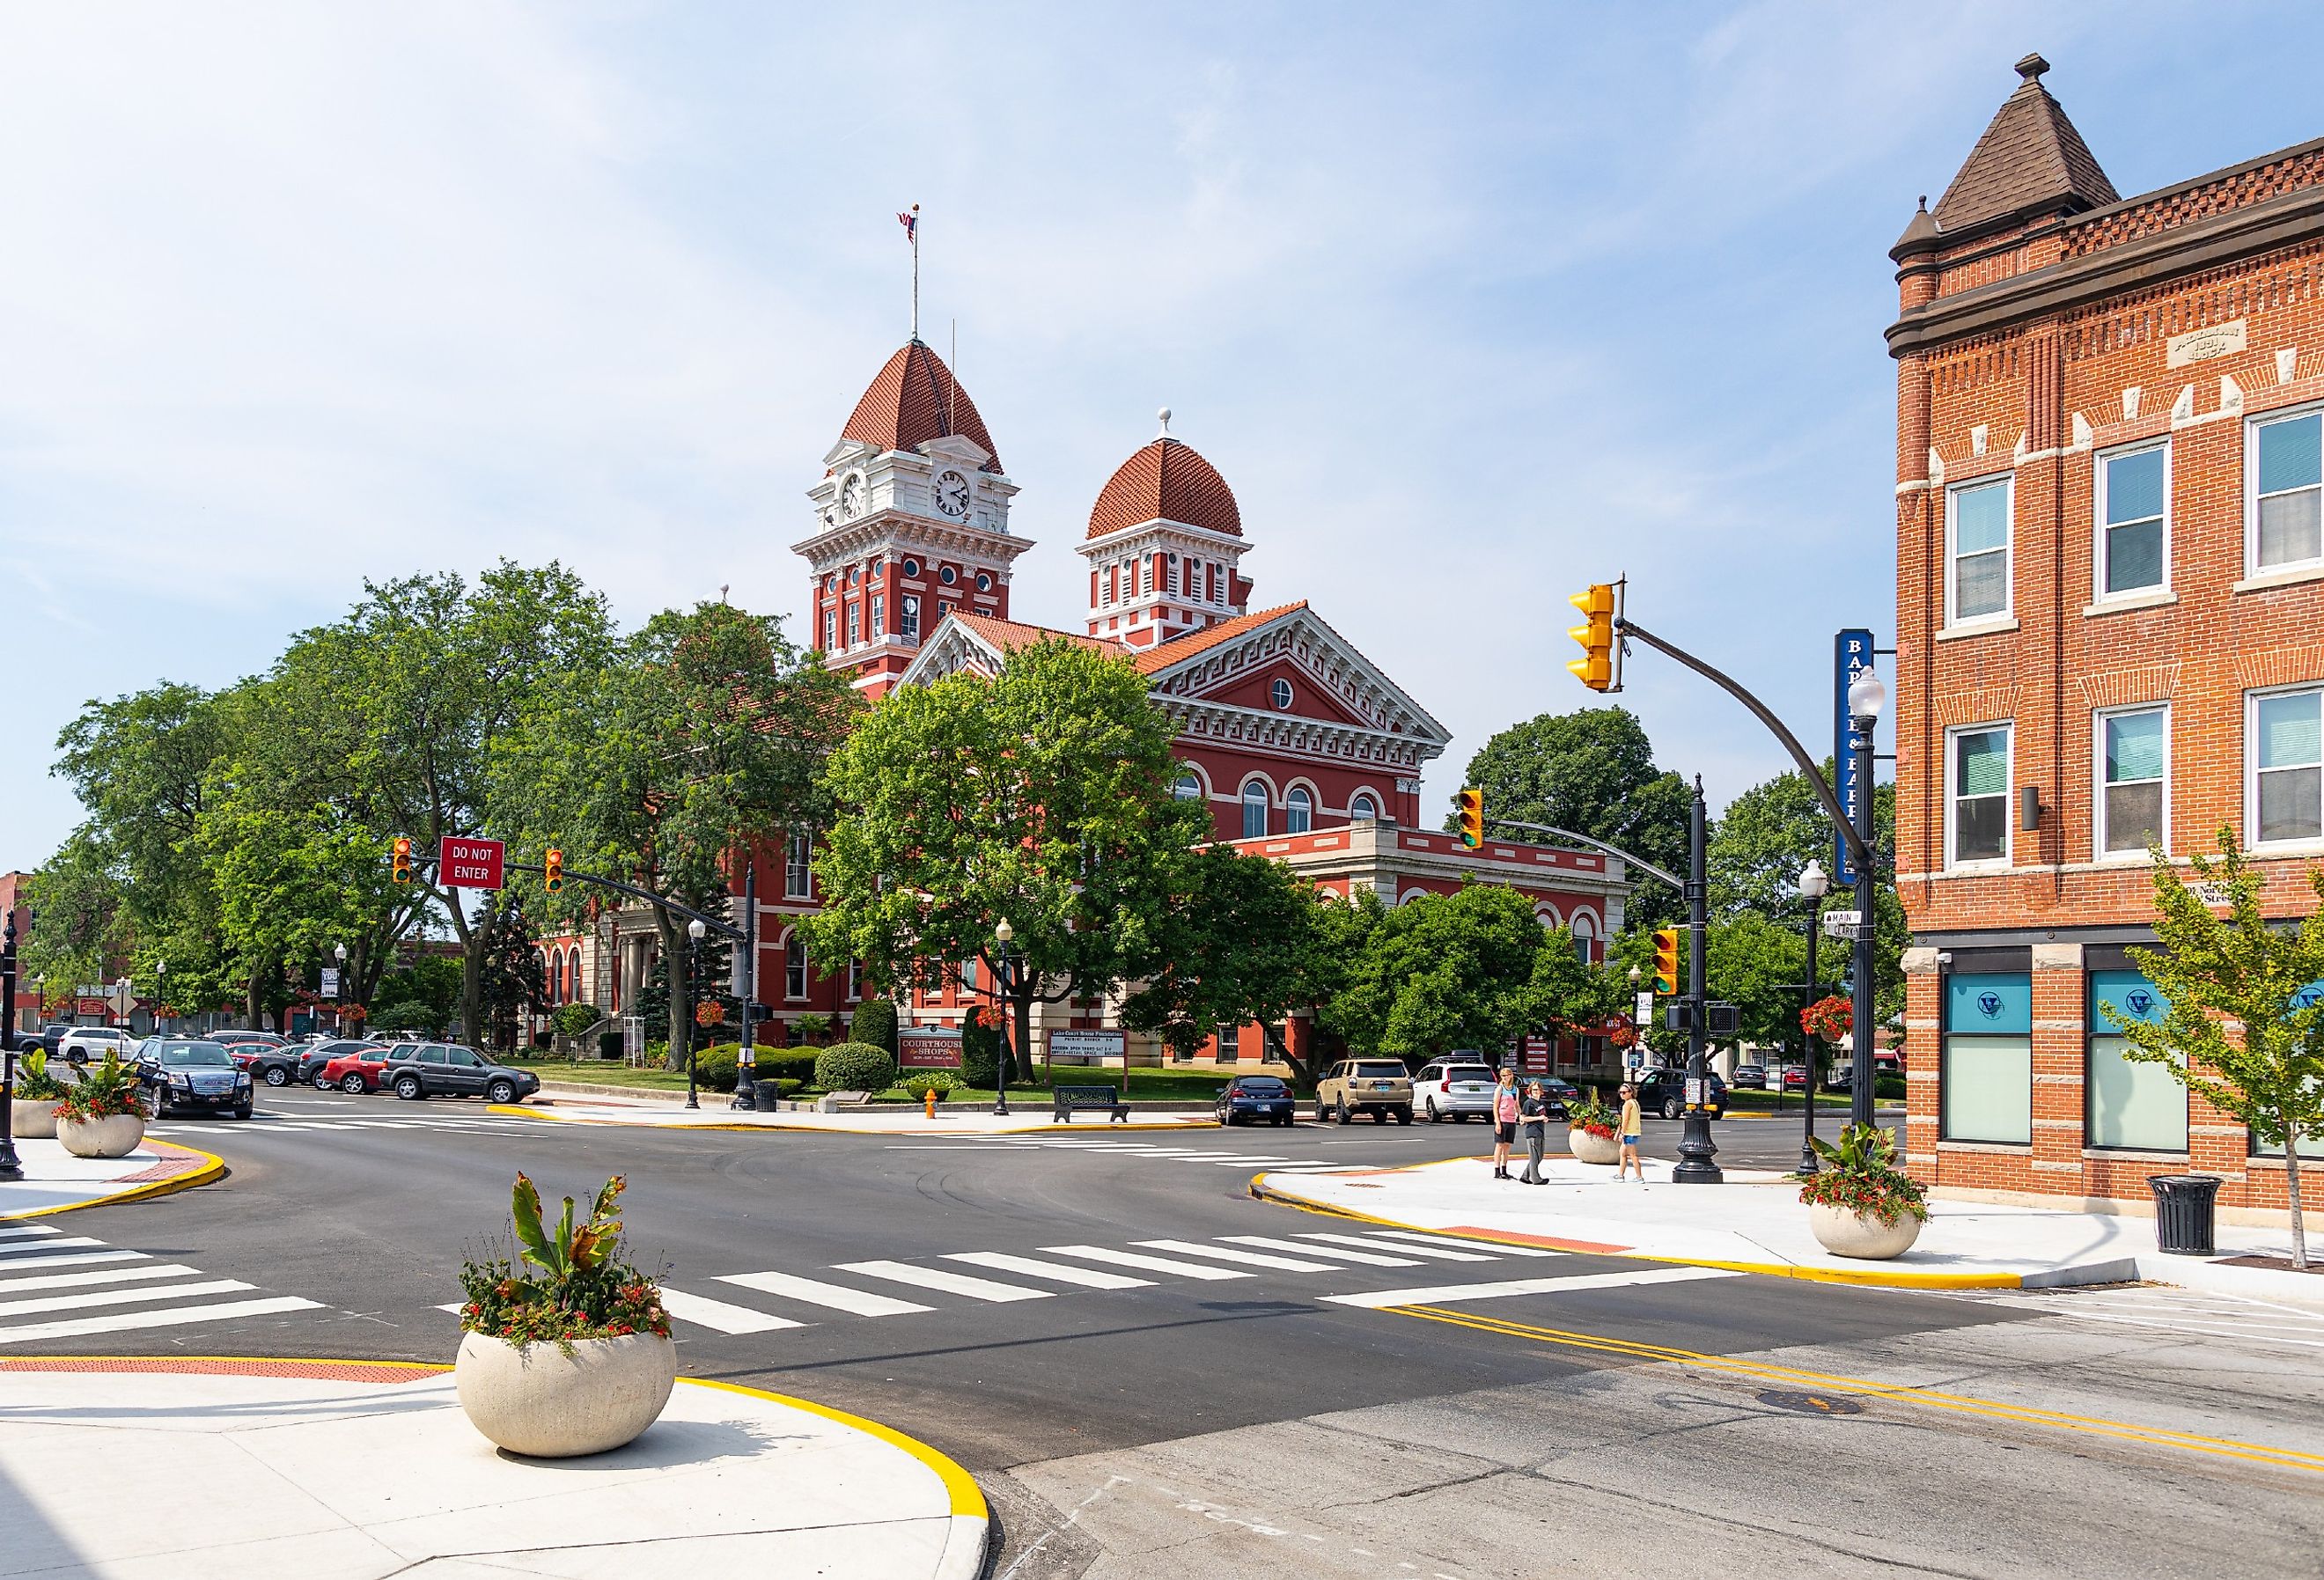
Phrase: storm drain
pixel 1811 1404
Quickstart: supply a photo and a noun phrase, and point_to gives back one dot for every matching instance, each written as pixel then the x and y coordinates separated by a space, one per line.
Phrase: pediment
pixel 1322 665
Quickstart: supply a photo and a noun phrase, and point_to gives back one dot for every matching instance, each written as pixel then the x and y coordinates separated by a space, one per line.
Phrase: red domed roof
pixel 913 400
pixel 1165 481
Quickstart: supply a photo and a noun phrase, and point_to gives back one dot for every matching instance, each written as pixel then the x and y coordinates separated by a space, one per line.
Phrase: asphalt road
pixel 1246 1422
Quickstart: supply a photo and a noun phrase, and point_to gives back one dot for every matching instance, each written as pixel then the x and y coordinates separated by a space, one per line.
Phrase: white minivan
pixel 1453 1089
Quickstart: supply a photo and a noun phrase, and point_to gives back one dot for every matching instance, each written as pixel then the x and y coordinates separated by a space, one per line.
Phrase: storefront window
pixel 2125 1103
pixel 1988 1074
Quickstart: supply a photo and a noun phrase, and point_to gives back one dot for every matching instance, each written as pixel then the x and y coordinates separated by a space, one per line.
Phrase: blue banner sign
pixel 1851 655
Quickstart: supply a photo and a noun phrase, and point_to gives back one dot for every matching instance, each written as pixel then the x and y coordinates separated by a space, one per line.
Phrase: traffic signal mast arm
pixel 1646 867
pixel 651 898
pixel 1857 851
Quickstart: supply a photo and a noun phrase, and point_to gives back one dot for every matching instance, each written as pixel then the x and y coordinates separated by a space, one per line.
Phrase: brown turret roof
pixel 913 400
pixel 1165 481
pixel 2030 159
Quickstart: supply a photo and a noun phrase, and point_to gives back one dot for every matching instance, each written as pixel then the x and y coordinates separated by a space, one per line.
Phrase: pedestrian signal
pixel 403 859
pixel 552 870
pixel 1595 668
pixel 1472 817
pixel 1666 960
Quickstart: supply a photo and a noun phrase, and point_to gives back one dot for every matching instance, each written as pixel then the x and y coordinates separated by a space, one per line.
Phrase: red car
pixel 1795 1079
pixel 359 1071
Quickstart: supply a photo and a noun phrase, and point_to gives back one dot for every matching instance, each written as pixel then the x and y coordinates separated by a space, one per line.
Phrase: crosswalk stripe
pixel 56 1244
pixel 1087 1277
pixel 718 1315
pixel 1245 1162
pixel 860 1302
pixel 168 1270
pixel 1442 1294
pixel 120 1321
pixel 1436 1253
pixel 1230 1254
pixel 1501 1248
pixel 936 1277
pixel 1335 1253
pixel 75 1258
pixel 31 1231
pixel 1159 1264
pixel 85 1298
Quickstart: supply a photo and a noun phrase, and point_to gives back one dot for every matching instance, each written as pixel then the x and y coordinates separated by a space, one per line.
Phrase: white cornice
pixel 1328 660
pixel 1222 725
pixel 1160 527
pixel 898 530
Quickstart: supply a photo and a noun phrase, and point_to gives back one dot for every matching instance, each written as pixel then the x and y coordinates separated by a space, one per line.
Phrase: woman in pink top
pixel 1505 1120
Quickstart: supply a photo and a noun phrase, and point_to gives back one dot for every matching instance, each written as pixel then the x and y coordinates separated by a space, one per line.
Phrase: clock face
pixel 952 493
pixel 851 498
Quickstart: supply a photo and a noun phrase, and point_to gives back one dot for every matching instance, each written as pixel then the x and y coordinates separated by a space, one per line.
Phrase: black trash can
pixel 766 1095
pixel 2183 1212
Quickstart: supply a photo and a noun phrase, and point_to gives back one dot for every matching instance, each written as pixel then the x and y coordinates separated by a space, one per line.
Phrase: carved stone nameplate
pixel 2202 344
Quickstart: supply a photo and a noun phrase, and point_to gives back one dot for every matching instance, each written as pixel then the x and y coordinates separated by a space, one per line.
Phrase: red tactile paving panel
pixel 230 1366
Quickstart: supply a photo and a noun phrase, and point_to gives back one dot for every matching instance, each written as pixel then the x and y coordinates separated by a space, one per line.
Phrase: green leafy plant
pixel 713 1066
pixel 1860 1176
pixel 568 1282
pixel 1586 1112
pixel 854 1066
pixel 875 1024
pixel 107 1090
pixel 33 1082
pixel 940 1082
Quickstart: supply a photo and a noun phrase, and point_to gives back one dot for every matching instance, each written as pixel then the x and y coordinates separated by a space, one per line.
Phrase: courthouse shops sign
pixel 927 1048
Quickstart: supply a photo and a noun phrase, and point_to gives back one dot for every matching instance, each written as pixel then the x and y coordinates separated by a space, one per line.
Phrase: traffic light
pixel 1595 668
pixel 403 859
pixel 1666 960
pixel 552 870
pixel 1472 817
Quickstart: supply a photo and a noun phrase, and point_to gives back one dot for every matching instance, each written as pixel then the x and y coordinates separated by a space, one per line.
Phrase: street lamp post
pixel 161 986
pixel 339 990
pixel 1814 884
pixel 1639 1022
pixel 694 932
pixel 1695 1147
pixel 1002 933
pixel 1866 696
pixel 746 988
pixel 9 1167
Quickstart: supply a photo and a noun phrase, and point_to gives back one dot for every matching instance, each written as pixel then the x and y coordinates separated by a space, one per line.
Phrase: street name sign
pixel 1839 923
pixel 470 863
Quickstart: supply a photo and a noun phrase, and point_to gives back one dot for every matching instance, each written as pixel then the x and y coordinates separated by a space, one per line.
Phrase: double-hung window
pixel 1254 809
pixel 907 613
pixel 1987 1079
pixel 830 630
pixel 798 878
pixel 855 625
pixel 2287 507
pixel 1977 790
pixel 2286 791
pixel 1977 571
pixel 2133 522
pixel 1298 811
pixel 795 969
pixel 2133 780
pixel 878 615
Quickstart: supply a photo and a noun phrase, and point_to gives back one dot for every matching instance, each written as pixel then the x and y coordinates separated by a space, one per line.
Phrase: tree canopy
pixel 1442 971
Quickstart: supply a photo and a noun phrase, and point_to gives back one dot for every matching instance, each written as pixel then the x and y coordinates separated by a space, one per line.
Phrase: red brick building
pixel 2110 628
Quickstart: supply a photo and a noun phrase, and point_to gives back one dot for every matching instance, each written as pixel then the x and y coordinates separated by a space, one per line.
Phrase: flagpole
pixel 916 271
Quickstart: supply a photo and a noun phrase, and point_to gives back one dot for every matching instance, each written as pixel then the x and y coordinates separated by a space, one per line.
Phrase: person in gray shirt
pixel 1533 1114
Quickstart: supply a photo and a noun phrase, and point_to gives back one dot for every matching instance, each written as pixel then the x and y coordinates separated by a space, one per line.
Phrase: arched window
pixel 1363 809
pixel 1188 788
pixel 1254 808
pixel 1298 811
pixel 1585 933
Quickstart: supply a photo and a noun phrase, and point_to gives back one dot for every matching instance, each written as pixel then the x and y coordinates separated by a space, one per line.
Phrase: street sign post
pixel 470 863
pixel 1851 656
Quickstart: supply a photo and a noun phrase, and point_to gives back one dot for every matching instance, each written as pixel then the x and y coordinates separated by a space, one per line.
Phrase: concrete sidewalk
pixel 327 1470
pixel 1755 1223
pixel 1032 1116
pixel 56 1181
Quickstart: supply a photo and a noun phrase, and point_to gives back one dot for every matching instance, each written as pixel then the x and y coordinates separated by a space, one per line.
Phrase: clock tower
pixel 911 523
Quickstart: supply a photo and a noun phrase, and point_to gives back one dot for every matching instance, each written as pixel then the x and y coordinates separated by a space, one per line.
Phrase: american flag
pixel 911 224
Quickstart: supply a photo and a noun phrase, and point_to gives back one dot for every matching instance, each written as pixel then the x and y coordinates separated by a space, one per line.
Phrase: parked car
pixel 194 1075
pixel 1255 1097
pixel 1795 1077
pixel 238 1038
pixel 1664 1092
pixel 277 1066
pixel 362 1070
pixel 1749 1077
pixel 84 1043
pixel 1377 1086
pixel 314 1056
pixel 1453 1089
pixel 443 1069
pixel 53 1033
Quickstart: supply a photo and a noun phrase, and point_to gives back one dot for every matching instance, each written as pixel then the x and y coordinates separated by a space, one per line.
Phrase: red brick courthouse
pixel 2110 628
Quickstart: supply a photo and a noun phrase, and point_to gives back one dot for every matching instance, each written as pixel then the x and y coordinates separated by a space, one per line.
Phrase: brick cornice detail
pixel 2121 687
pixel 2280 666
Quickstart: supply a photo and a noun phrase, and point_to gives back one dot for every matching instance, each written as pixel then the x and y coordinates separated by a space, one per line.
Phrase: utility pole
pixel 1695 1147
pixel 746 988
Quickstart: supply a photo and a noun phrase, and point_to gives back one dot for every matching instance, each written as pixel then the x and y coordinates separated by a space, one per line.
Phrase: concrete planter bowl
pixel 1588 1149
pixel 541 1401
pixel 1861 1235
pixel 114 1136
pixel 34 1120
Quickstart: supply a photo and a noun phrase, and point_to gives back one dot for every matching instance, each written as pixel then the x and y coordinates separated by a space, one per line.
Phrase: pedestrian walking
pixel 1533 1114
pixel 1628 1127
pixel 1505 1120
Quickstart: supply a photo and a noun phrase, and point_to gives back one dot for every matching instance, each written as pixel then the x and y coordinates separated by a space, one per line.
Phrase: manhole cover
pixel 1811 1404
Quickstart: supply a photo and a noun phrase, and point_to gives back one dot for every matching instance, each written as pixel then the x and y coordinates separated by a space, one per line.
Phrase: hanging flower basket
pixel 354 1012
pixel 712 1014
pixel 1831 1017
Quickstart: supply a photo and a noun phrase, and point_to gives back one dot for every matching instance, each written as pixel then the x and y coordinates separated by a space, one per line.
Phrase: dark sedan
pixel 1664 1092
pixel 193 1077
pixel 1252 1098
pixel 440 1069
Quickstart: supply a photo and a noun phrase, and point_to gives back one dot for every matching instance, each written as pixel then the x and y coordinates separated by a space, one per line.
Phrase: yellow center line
pixel 1901 1393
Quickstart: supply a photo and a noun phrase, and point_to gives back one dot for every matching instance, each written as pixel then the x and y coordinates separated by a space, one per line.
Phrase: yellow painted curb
pixel 1865 1276
pixel 967 1497
pixel 213 1169
pixel 520 1110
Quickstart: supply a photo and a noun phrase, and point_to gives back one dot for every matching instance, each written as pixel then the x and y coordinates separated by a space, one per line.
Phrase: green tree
pixel 1592 772
pixel 1569 996
pixel 2234 1028
pixel 430 981
pixel 702 734
pixel 1442 971
pixel 512 981
pixel 1042 796
pixel 1757 964
pixel 1241 943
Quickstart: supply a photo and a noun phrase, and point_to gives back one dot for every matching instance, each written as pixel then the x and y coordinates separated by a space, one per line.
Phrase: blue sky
pixel 1470 304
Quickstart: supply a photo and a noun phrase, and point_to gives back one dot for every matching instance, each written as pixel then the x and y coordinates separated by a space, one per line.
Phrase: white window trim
pixel 807 867
pixel 2099 597
pixel 2252 841
pixel 2099 854
pixel 2002 863
pixel 2291 570
pixel 1307 795
pixel 2006 614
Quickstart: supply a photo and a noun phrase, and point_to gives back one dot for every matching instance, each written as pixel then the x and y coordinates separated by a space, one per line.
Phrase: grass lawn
pixel 1181 1083
pixel 607 1073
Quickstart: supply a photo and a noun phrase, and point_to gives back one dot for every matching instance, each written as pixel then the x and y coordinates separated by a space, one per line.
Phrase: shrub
pixel 410 1015
pixel 1889 1086
pixel 980 1054
pixel 775 1064
pixel 33 1082
pixel 875 1024
pixel 571 1021
pixel 107 1090
pixel 713 1066
pixel 609 1045
pixel 942 1083
pixel 1586 1112
pixel 854 1066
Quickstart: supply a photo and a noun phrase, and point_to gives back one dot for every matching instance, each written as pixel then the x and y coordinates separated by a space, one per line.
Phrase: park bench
pixel 1065 1100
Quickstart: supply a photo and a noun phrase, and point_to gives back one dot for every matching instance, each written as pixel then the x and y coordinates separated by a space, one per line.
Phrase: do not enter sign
pixel 470 863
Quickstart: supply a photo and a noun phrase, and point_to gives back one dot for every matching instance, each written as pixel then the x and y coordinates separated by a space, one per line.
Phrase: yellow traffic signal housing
pixel 552 870
pixel 1595 669
pixel 1666 960
pixel 403 859
pixel 1472 817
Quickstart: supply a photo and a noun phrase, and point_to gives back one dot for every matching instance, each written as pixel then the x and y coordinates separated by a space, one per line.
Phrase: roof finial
pixel 2032 67
pixel 1164 415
